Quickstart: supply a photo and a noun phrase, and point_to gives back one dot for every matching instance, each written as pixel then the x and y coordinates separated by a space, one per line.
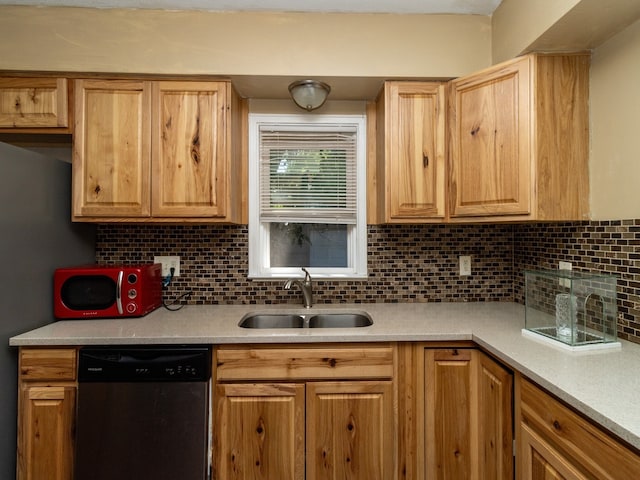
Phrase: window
pixel 307 196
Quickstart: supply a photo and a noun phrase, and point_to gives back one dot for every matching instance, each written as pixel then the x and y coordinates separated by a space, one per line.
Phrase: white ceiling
pixel 478 7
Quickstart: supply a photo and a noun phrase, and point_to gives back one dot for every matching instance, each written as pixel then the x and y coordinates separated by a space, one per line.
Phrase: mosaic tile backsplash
pixel 606 246
pixel 406 263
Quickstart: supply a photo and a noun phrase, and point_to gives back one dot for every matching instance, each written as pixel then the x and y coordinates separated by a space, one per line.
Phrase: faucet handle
pixel 307 277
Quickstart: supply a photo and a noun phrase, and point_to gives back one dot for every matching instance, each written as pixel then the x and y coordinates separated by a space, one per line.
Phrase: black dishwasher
pixel 143 413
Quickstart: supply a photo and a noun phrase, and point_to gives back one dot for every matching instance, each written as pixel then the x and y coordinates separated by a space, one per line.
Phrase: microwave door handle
pixel 119 292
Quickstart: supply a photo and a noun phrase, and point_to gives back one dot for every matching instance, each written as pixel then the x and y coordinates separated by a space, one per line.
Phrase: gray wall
pixel 36 236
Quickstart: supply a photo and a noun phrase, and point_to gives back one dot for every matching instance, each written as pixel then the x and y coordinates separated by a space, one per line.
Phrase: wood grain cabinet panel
pixel 46 430
pixel 309 363
pixel 350 430
pixel 494 416
pixel 259 432
pixel 189 149
pixel 541 462
pixel 468 419
pixel 46 414
pixel 34 103
pixel 448 413
pixel 158 151
pixel 330 420
pixel 553 438
pixel 112 149
pixel 519 136
pixel 411 152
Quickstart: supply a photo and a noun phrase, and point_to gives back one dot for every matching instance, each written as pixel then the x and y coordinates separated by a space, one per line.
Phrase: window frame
pixel 259 252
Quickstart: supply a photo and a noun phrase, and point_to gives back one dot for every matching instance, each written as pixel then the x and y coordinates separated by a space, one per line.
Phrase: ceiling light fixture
pixel 309 94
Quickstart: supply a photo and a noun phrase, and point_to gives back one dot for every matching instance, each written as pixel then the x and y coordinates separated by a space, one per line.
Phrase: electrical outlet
pixel 168 262
pixel 465 265
pixel 565 282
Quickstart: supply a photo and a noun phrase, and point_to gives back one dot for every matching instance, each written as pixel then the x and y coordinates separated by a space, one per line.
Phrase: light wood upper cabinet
pixel 410 153
pixel 157 151
pixel 46 414
pixel 33 103
pixel 519 139
pixel 189 149
pixel 112 149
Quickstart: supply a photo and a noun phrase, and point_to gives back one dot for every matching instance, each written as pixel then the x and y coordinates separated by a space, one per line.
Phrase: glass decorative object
pixel 574 308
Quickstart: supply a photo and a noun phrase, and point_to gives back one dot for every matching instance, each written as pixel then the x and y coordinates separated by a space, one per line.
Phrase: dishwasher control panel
pixel 144 363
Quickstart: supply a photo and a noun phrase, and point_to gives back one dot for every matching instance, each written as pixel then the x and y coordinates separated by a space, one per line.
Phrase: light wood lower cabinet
pixel 457 405
pixel 469 428
pixel 340 425
pixel 260 431
pixel 407 411
pixel 541 461
pixel 46 414
pixel 554 442
pixel 350 428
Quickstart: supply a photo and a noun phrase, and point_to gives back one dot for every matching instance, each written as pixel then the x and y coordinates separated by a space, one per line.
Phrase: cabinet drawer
pixel 309 363
pixel 48 364
pixel 600 454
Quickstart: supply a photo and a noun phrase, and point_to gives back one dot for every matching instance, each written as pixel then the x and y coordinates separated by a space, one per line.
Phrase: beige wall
pixel 516 24
pixel 243 43
pixel 521 26
pixel 615 123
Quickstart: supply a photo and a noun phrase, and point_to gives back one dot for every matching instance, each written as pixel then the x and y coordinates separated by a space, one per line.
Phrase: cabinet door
pixel 490 158
pixel 350 430
pixel 448 399
pixel 494 414
pixel 33 103
pixel 111 157
pixel 46 427
pixel 413 158
pixel 189 149
pixel 541 462
pixel 259 432
pixel 469 429
pixel 575 439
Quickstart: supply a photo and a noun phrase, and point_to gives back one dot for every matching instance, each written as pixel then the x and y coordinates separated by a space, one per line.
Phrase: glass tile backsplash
pixel 406 263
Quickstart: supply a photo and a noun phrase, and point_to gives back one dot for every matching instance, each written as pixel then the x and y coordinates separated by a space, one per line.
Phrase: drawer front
pixel 592 448
pixel 310 363
pixel 48 364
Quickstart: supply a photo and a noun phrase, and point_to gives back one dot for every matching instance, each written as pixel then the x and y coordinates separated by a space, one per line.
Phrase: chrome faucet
pixel 305 286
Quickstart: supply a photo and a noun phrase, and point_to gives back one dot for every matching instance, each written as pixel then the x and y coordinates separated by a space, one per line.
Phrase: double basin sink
pixel 306 320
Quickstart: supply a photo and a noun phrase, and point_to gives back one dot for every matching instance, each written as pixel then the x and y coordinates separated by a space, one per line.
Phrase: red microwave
pixel 96 291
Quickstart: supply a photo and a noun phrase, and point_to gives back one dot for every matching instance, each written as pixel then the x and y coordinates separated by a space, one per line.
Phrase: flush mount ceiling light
pixel 309 94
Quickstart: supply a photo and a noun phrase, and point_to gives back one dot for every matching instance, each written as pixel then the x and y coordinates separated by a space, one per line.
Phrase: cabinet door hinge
pixel 514 447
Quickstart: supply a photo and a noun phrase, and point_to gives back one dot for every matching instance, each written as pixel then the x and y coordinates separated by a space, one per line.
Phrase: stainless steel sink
pixel 316 320
pixel 340 320
pixel 269 320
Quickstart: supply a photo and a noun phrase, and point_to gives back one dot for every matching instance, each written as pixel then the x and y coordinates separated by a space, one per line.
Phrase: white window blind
pixel 308 176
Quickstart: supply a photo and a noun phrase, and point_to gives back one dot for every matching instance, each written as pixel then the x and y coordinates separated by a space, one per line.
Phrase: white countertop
pixel 603 385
